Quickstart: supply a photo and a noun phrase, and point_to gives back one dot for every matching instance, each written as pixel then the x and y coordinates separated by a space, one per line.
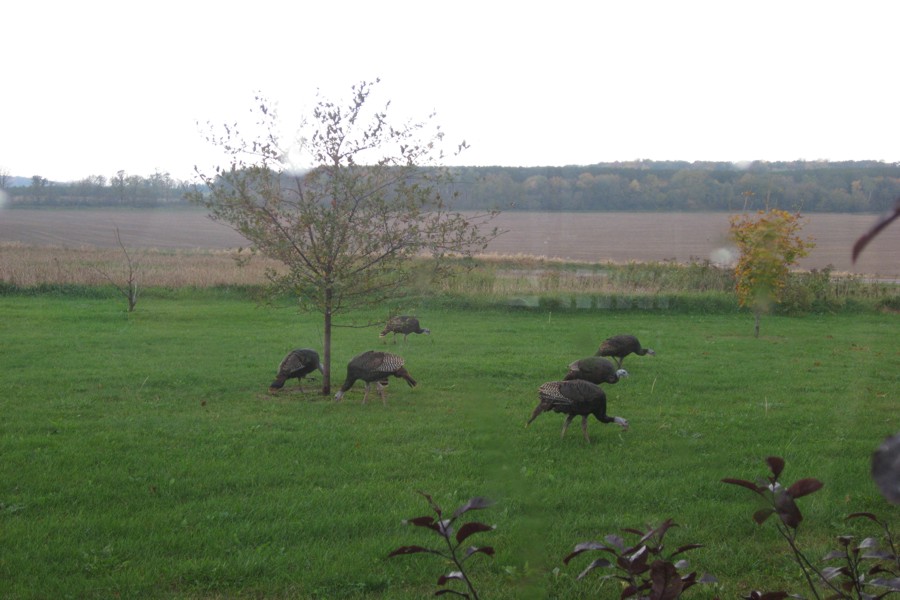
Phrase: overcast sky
pixel 94 87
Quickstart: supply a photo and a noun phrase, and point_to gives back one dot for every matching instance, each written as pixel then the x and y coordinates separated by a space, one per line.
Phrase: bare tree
pixel 128 287
pixel 353 229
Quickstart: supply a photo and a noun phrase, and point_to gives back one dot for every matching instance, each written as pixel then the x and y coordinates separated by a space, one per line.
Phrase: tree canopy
pixel 769 244
pixel 354 227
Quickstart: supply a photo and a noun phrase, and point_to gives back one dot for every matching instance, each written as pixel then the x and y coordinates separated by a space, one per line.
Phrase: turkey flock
pixel 578 393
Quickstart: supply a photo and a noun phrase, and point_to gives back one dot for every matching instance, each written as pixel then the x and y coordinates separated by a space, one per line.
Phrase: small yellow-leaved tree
pixel 769 244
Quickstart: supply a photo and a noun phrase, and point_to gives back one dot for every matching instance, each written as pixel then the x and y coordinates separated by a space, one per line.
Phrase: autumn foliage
pixel 769 244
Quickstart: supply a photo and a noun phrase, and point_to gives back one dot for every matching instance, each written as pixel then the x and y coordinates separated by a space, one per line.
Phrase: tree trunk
pixel 326 359
pixel 756 317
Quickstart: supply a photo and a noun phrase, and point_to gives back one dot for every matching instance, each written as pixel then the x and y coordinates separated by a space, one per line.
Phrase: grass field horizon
pixel 144 458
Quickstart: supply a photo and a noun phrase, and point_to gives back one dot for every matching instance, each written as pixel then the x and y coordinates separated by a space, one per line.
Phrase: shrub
pixel 849 581
pixel 645 568
pixel 445 529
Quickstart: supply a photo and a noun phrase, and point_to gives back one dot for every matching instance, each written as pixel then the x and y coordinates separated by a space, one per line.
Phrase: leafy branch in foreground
pixel 852 575
pixel 844 582
pixel 648 572
pixel 445 528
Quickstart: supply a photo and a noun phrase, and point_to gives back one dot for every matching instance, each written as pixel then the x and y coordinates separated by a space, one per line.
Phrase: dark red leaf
pixel 865 515
pixel 473 504
pixel 659 532
pixel 893 584
pixel 589 546
pixel 686 547
pixel 434 506
pixel 443 579
pixel 644 537
pixel 804 487
pixel 600 562
pixel 636 563
pixel 829 573
pixel 408 550
pixel 664 527
pixel 583 547
pixel 788 510
pixel 776 465
pixel 761 515
pixel 744 483
pixel 615 541
pixel 844 540
pixel 425 521
pixel 469 529
pixel 489 550
pixel 667 585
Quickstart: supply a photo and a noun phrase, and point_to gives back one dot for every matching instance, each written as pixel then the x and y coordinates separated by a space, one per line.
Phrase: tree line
pixel 121 189
pixel 855 186
pixel 807 186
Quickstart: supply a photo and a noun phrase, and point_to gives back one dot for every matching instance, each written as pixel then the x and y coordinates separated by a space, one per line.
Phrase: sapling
pixel 646 569
pixel 454 553
pixel 848 581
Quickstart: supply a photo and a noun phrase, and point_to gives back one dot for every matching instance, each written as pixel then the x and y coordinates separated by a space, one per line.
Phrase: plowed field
pixel 618 237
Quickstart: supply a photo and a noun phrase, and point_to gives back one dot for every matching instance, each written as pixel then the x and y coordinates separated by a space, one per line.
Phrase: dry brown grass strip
pixel 26 266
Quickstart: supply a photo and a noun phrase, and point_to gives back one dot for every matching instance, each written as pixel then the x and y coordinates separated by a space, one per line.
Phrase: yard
pixel 143 456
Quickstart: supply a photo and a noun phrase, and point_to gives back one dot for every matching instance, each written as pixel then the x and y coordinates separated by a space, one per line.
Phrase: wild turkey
pixel 620 346
pixel 403 324
pixel 298 363
pixel 575 397
pixel 595 369
pixel 372 366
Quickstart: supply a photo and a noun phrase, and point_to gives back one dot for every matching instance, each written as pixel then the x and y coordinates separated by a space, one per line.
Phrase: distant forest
pixel 820 186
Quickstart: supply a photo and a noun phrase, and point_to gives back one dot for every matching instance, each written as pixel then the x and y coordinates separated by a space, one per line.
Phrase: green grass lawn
pixel 141 456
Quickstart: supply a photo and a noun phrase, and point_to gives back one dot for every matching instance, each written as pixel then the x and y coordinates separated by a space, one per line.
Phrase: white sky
pixel 92 87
